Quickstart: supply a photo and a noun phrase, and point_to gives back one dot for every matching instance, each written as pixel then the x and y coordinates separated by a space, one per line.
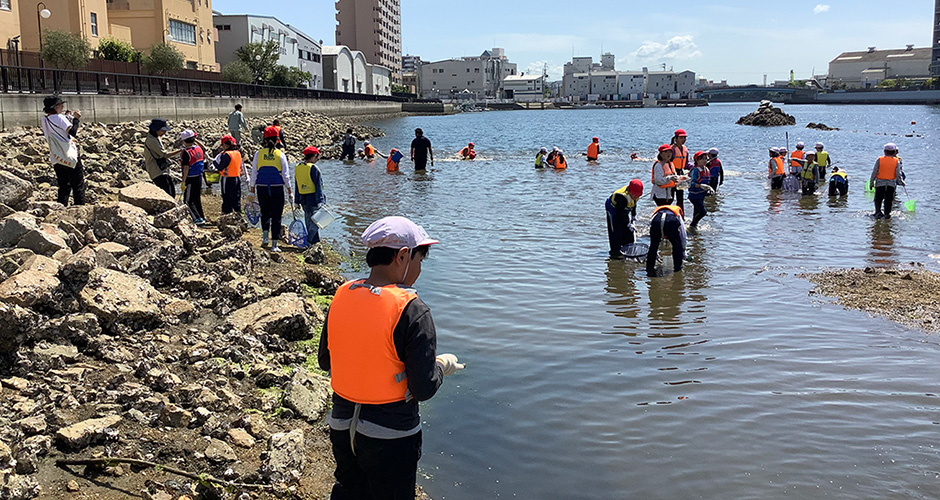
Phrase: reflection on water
pixel 622 295
pixel 882 253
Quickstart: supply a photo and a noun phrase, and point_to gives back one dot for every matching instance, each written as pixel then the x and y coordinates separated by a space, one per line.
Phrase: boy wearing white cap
pixel 379 345
pixel 886 176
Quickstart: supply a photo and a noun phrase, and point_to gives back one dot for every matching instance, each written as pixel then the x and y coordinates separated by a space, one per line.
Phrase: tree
pixel 163 59
pixel 64 50
pixel 112 49
pixel 289 76
pixel 887 83
pixel 261 57
pixel 237 71
pixel 400 89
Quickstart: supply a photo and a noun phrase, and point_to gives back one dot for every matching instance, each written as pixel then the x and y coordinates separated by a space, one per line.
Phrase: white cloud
pixel 676 48
pixel 555 71
pixel 820 8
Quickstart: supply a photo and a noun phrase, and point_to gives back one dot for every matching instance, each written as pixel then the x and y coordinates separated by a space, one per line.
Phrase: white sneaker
pixel 275 249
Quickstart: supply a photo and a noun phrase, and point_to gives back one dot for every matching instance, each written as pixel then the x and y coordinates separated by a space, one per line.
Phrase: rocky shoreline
pixel 128 332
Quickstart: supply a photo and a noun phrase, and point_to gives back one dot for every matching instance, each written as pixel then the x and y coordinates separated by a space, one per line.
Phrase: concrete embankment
pixel 26 109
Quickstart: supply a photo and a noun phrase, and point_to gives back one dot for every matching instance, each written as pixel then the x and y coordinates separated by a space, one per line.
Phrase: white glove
pixel 449 364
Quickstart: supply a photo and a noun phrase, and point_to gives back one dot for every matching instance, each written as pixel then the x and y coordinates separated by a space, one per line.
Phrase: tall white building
pixel 481 75
pixel 586 80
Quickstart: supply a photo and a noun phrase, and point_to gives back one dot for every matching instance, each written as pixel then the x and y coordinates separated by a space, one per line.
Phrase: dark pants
pixel 713 182
pixel 698 209
pixel 666 225
pixel 348 152
pixel 809 186
pixel 192 196
pixel 884 194
pixel 165 182
pixel 271 199
pixel 662 201
pixel 618 232
pixel 840 188
pixel 776 182
pixel 231 195
pixel 381 469
pixel 71 181
pixel 421 163
pixel 310 203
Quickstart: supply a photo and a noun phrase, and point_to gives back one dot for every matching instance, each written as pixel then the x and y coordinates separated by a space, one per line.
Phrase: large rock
pixel 84 433
pixel 118 298
pixel 13 190
pixel 307 396
pixel 283 315
pixel 156 263
pixel 15 324
pixel 767 116
pixel 147 196
pixel 30 288
pixel 171 218
pixel 232 226
pixel 220 451
pixel 19 487
pixel 45 240
pixel 123 218
pixel 286 457
pixel 15 226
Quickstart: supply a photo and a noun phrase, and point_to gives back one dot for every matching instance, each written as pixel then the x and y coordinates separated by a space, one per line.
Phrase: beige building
pixel 9 21
pixel 372 27
pixel 865 69
pixel 185 24
pixel 88 18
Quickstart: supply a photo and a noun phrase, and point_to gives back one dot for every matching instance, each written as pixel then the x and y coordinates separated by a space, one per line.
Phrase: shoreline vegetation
pixel 126 331
pixel 906 296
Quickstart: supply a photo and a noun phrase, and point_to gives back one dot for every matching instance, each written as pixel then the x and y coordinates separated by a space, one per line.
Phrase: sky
pixel 735 40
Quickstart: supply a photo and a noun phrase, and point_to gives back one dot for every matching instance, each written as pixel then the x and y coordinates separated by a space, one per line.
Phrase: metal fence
pixel 31 80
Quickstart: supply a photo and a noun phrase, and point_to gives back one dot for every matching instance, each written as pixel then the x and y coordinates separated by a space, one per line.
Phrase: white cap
pixel 800 145
pixel 187 134
pixel 543 150
pixel 365 143
pixel 396 233
pixel 819 145
pixel 782 150
pixel 555 148
pixel 713 151
pixel 891 146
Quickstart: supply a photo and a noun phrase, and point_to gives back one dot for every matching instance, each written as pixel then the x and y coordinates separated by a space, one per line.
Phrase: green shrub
pixel 64 50
pixel 112 49
pixel 164 59
pixel 237 71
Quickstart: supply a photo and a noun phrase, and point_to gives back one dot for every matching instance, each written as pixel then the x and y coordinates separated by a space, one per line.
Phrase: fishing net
pixel 791 183
pixel 297 231
pixel 634 250
pixel 253 212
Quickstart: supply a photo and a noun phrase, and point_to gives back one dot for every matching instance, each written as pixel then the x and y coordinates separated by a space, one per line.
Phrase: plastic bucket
pixel 323 217
pixel 212 177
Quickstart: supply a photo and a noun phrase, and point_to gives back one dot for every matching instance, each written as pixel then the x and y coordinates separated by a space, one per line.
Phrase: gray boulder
pixel 15 226
pixel 286 457
pixel 307 396
pixel 44 241
pixel 87 432
pixel 284 316
pixel 119 298
pixel 15 324
pixel 13 190
pixel 147 196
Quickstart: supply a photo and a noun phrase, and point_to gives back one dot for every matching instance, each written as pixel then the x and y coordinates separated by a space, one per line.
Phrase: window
pixel 5 5
pixel 182 32
pixel 192 65
pixel 94 24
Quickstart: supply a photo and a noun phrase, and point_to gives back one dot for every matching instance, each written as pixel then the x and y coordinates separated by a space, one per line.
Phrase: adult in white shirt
pixel 60 130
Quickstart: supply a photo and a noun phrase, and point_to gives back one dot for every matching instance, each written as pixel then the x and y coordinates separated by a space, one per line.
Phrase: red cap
pixel 635 187
pixel 665 147
pixel 311 150
pixel 697 154
pixel 680 133
pixel 596 139
pixel 471 144
pixel 270 132
pixel 227 139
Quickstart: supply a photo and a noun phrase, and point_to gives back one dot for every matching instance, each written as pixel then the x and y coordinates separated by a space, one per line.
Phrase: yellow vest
pixel 822 158
pixel 303 175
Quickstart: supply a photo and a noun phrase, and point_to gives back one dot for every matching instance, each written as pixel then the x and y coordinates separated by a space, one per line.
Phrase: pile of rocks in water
pixel 767 116
pixel 126 331
pixel 112 154
pixel 820 126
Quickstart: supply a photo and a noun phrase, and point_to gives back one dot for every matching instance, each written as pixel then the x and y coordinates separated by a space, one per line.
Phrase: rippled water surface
pixel 586 379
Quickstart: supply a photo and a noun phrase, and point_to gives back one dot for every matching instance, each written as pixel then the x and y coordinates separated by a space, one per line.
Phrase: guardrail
pixel 18 79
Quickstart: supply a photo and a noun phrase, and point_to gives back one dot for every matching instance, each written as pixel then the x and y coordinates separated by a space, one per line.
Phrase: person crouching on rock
pixel 60 130
pixel 269 178
pixel 229 165
pixel 309 191
pixel 193 159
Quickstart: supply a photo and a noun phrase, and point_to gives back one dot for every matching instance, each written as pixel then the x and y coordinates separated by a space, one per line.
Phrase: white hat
pixel 713 151
pixel 800 145
pixel 891 146
pixel 365 143
pixel 543 150
pixel 782 150
pixel 396 233
pixel 187 134
pixel 819 145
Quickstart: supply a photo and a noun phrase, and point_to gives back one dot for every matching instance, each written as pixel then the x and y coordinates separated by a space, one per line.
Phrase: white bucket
pixel 323 217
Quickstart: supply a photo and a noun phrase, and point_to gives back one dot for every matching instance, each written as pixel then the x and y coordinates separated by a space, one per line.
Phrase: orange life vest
pixel 672 208
pixel 888 168
pixel 278 128
pixel 778 163
pixel 668 169
pixel 560 162
pixel 361 325
pixel 592 151
pixel 234 168
pixel 797 155
pixel 680 158
pixel 369 150
pixel 391 165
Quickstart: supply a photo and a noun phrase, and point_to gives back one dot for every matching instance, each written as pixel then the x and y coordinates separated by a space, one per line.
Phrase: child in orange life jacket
pixel 715 171
pixel 594 149
pixel 666 224
pixel 309 191
pixel 368 150
pixel 229 165
pixel 700 187
pixel 886 176
pixel 559 161
pixel 194 161
pixel 468 153
pixel 393 160
pixel 775 171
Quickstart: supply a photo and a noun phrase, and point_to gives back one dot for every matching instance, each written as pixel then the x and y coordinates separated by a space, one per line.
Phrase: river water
pixel 586 379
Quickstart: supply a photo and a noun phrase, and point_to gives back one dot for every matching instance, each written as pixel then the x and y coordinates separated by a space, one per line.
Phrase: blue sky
pixel 736 40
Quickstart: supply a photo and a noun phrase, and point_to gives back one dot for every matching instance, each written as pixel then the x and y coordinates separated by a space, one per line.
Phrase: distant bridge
pixel 753 93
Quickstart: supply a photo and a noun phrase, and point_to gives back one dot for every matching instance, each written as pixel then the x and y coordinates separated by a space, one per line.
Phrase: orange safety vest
pixel 560 162
pixel 668 169
pixel 369 151
pixel 672 208
pixel 391 165
pixel 361 325
pixel 888 168
pixel 797 155
pixel 778 161
pixel 234 168
pixel 592 151
pixel 278 128
pixel 680 158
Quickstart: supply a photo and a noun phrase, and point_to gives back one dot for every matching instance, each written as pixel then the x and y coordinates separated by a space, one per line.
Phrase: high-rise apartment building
pixel 372 27
pixel 935 59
